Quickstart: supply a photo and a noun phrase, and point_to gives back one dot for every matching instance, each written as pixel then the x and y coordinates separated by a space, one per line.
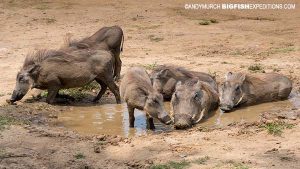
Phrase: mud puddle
pixel 109 119
pixel 112 119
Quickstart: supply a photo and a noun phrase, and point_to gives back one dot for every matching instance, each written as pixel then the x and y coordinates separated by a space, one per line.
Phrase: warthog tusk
pixel 200 118
pixel 239 100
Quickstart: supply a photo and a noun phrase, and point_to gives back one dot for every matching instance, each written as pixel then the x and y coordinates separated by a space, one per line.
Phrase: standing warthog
pixel 192 101
pixel 54 70
pixel 242 90
pixel 164 79
pixel 137 91
pixel 107 38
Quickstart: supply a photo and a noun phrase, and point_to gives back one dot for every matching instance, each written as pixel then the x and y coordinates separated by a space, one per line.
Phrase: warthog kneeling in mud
pixel 107 38
pixel 244 89
pixel 55 70
pixel 192 101
pixel 137 91
pixel 164 79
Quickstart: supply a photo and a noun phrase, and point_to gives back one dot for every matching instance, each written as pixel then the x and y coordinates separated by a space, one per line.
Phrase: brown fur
pixel 66 68
pixel 165 77
pixel 246 89
pixel 192 101
pixel 137 91
pixel 106 38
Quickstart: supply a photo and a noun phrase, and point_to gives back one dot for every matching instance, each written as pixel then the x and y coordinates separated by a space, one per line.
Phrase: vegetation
pixel 79 156
pixel 6 121
pixel 180 165
pixel 172 165
pixel 153 38
pixel 256 68
pixel 202 160
pixel 208 22
pixel 240 166
pixel 150 66
pixel 276 128
pixel 204 22
pixel 77 93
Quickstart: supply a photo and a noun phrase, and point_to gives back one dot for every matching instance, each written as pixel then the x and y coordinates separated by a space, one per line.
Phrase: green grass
pixel 256 68
pixel 79 156
pixel 240 166
pixel 202 160
pixel 204 22
pixel 77 93
pixel 179 165
pixel 150 66
pixel 153 38
pixel 276 128
pixel 172 165
pixel 160 166
pixel 6 121
pixel 208 21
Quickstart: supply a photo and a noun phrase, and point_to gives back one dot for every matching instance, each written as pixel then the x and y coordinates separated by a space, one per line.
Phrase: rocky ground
pixel 155 33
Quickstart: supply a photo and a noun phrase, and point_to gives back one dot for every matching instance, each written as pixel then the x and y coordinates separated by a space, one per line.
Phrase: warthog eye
pixel 237 88
pixel 155 101
pixel 197 96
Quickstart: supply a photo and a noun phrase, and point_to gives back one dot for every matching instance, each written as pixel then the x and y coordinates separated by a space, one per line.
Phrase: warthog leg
pixel 118 65
pixel 115 89
pixel 101 92
pixel 150 123
pixel 52 92
pixel 131 115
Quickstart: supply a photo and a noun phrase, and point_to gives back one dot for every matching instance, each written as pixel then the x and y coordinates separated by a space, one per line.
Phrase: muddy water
pixel 108 119
pixel 113 119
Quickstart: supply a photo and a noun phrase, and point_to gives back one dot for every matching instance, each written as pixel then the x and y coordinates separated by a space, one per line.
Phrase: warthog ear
pixel 242 77
pixel 163 73
pixel 33 70
pixel 228 76
pixel 83 45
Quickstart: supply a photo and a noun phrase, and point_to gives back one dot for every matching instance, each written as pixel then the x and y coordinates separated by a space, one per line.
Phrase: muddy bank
pixel 46 143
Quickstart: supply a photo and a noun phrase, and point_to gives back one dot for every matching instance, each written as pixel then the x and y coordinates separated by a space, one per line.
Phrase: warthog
pixel 107 38
pixel 55 70
pixel 244 89
pixel 137 91
pixel 164 79
pixel 192 101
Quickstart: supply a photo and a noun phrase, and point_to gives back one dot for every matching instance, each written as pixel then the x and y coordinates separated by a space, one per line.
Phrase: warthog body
pixel 107 38
pixel 192 101
pixel 164 79
pixel 137 91
pixel 242 89
pixel 54 70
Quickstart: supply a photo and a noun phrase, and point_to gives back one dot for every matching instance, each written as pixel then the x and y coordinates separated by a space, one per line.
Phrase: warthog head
pixel 154 107
pixel 164 83
pixel 232 93
pixel 188 104
pixel 23 83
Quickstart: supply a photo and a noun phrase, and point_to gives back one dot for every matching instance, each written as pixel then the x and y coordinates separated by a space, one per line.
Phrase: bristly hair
pixel 39 56
pixel 79 43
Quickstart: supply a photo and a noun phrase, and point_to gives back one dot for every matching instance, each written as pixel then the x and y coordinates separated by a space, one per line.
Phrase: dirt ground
pixel 156 32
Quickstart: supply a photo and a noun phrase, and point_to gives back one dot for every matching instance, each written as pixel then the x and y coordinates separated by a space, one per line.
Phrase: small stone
pixel 182 155
pixel 97 149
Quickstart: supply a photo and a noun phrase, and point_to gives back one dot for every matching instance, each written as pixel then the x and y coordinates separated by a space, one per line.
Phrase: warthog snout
pixel 166 120
pixel 16 96
pixel 183 121
pixel 225 107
